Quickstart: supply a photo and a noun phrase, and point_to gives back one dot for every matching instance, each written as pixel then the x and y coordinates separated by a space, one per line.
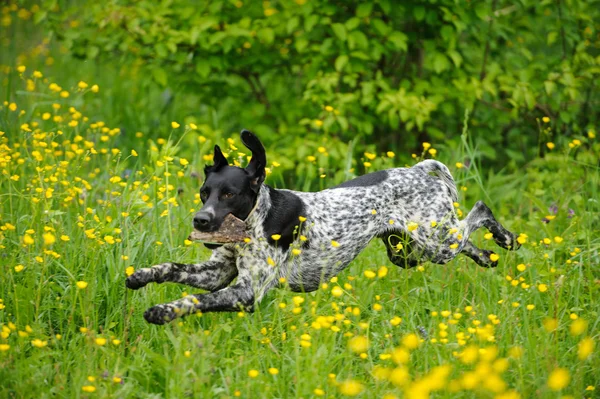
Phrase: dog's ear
pixel 256 166
pixel 219 161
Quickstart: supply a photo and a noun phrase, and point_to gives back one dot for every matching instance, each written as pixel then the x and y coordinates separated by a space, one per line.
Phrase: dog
pixel 309 237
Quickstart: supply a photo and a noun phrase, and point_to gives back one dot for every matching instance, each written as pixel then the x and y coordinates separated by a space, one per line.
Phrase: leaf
pixel 419 13
pixel 92 52
pixel 352 23
pixel 203 69
pixel 310 22
pixel 360 55
pixel 399 40
pixel 552 36
pixel 386 6
pixel 482 10
pixel 292 24
pixel 267 35
pixel 301 44
pixel 340 62
pixel 358 39
pixel 161 50
pixel 380 27
pixel 340 31
pixel 160 76
pixel 364 9
pixel 440 63
pixel 550 86
pixel 455 57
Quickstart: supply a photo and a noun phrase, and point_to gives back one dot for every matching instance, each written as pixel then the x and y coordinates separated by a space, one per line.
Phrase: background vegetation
pixel 109 110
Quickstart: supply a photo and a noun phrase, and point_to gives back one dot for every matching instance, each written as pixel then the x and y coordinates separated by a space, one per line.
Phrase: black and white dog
pixel 307 238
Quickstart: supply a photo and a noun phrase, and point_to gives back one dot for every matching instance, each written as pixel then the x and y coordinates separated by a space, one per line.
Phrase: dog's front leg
pixel 242 296
pixel 212 275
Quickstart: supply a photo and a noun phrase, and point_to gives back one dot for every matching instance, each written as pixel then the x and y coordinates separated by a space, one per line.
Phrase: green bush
pixel 395 74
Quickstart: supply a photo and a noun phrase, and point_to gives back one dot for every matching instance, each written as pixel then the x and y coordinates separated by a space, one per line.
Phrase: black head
pixel 229 189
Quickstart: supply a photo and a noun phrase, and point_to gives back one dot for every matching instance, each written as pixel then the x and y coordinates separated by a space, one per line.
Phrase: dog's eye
pixel 228 195
pixel 203 195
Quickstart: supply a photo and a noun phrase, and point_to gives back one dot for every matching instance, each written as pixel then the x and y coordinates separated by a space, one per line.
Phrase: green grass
pixel 212 355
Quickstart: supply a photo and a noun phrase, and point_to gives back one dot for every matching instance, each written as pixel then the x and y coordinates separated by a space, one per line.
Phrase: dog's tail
pixel 429 165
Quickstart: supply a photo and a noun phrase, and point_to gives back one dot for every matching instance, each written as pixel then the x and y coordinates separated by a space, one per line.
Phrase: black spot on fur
pixel 370 179
pixel 282 218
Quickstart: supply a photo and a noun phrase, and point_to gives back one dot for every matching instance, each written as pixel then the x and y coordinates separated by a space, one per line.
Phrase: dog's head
pixel 229 189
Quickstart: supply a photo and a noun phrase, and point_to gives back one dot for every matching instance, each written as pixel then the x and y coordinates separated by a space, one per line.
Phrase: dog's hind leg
pixel 399 255
pixel 480 216
pixel 480 256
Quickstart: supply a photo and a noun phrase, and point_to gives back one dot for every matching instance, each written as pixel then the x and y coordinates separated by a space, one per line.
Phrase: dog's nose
pixel 201 221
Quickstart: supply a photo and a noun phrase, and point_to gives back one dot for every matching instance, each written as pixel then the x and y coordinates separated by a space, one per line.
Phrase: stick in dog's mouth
pixel 232 230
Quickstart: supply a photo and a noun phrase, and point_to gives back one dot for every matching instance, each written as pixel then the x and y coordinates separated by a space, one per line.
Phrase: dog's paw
pixel 506 240
pixel 137 280
pixel 159 314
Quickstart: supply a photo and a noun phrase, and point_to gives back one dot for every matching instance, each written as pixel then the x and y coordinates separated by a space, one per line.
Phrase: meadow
pixel 85 201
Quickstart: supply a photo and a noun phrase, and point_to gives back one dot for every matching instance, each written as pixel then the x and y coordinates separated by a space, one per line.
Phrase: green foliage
pixel 395 73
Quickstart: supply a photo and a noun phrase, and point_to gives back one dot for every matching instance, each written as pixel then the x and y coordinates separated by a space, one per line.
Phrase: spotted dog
pixel 309 237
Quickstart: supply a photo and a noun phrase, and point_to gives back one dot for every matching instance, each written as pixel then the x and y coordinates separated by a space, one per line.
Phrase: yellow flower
pixel 550 145
pixel 175 125
pixel 337 291
pixel 390 154
pixel 100 341
pixel 542 287
pixel 4 347
pixel 88 388
pixel 335 244
pixel 412 226
pixel 558 239
pixel 19 268
pixel 134 153
pixel 95 89
pixel 183 161
pixel 82 285
pixel 578 327
pixel 328 108
pixel 302 219
pixel 411 341
pixel 459 165
pixel 382 272
pixel 351 387
pixel 358 344
pixel 28 240
pixel 65 238
pixel 559 378
pixel 545 119
pixel 318 392
pixel 117 380
pixel 273 371
pixel 82 85
pixel 38 343
pixel 129 271
pixel 370 274
pixel 253 373
pixel 296 251
pixel 585 348
pixel 276 237
pixel 494 257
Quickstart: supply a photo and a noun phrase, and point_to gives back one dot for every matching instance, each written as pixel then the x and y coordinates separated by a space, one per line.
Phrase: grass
pixel 78 208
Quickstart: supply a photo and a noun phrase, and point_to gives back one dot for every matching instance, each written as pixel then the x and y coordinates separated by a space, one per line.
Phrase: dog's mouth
pixel 231 230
